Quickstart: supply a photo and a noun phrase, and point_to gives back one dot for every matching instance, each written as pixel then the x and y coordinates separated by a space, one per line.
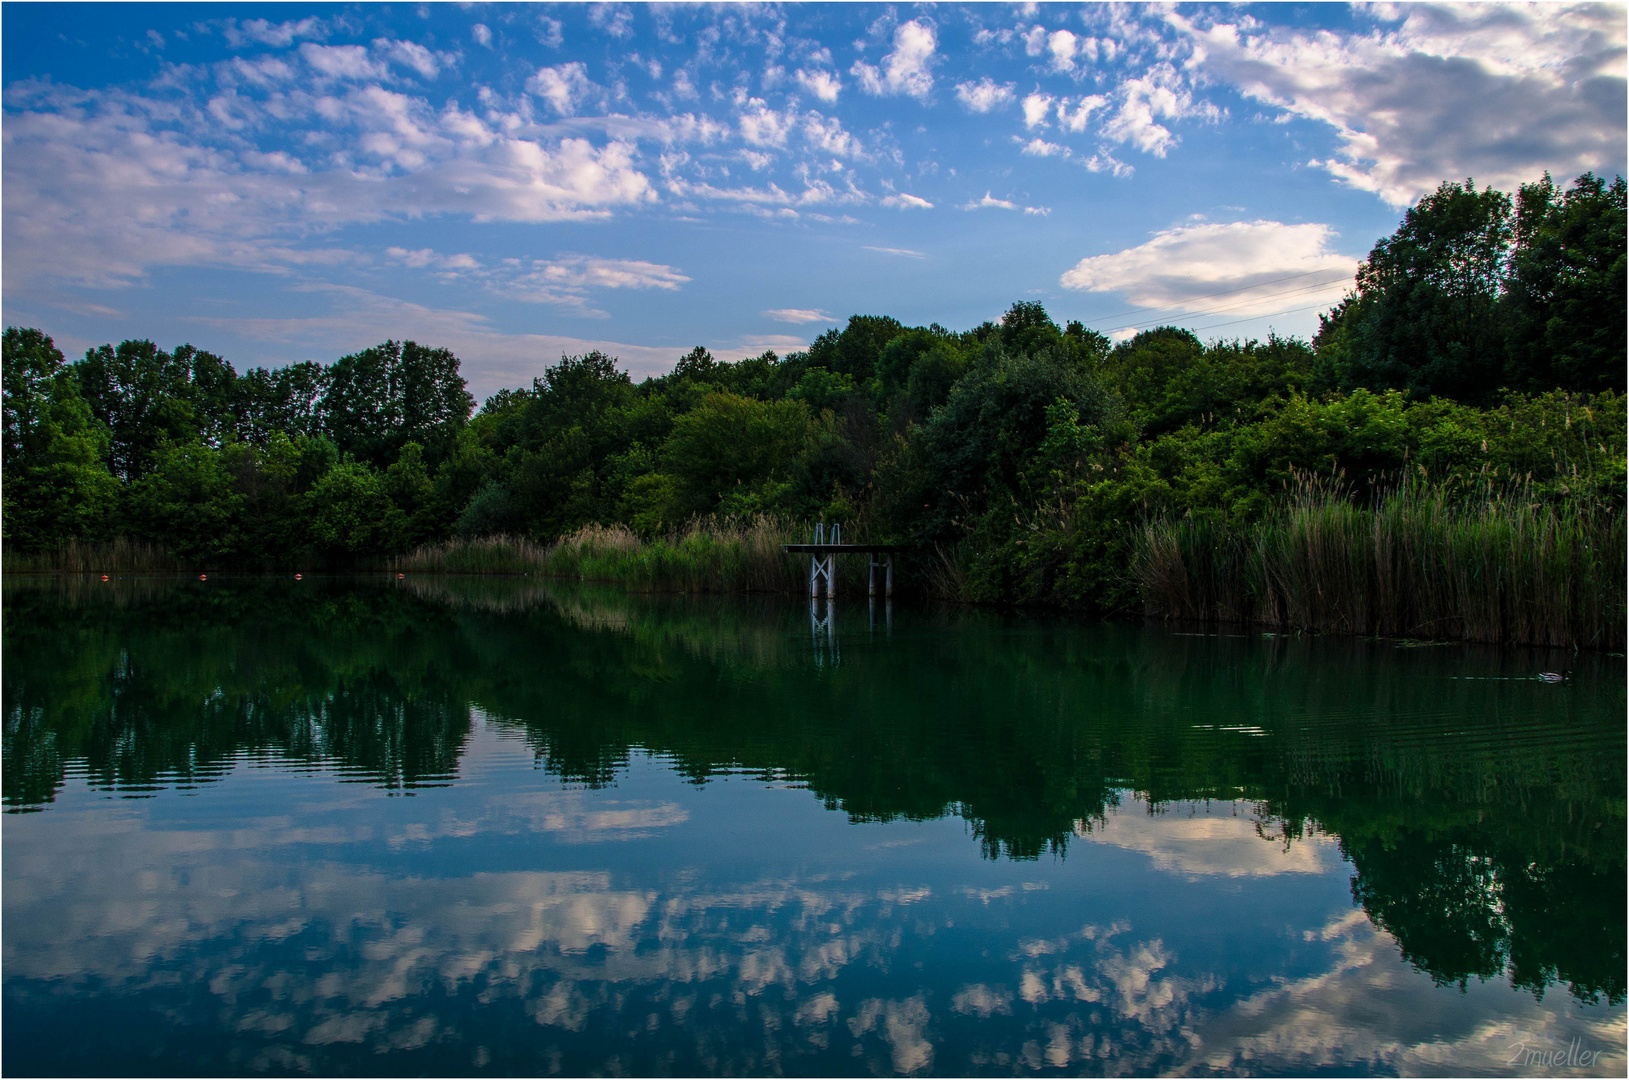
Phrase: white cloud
pixel 614 19
pixel 1042 148
pixel 1247 267
pixel 907 69
pixel 798 315
pixel 1036 106
pixel 827 135
pixel 277 35
pixel 822 84
pixel 990 201
pixel 1061 44
pixel 1103 161
pixel 584 271
pixel 412 55
pixel 763 126
pixel 1076 121
pixel 903 201
pixel 1159 94
pixel 342 62
pixel 984 95
pixel 102 186
pixel 429 258
pixel 905 253
pixel 1499 92
pixel 482 35
pixel 262 72
pixel 563 86
pixel 566 281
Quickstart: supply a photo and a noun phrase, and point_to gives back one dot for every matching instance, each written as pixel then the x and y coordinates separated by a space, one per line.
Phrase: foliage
pixel 1022 460
pixel 1472 294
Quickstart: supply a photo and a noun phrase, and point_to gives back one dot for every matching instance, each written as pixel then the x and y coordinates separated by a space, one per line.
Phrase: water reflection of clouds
pixel 573 817
pixel 1368 1010
pixel 1205 839
pixel 802 962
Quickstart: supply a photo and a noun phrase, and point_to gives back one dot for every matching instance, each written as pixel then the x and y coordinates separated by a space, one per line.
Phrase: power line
pixel 1211 296
pixel 1253 318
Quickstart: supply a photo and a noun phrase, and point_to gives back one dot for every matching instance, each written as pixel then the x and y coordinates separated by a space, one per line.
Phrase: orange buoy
pixel 203 577
pixel 104 577
pixel 296 577
pixel 399 576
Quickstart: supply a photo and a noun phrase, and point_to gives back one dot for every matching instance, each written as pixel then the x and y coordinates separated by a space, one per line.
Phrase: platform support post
pixel 890 575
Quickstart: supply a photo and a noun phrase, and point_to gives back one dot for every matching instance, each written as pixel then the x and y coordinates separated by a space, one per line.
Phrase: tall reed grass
pixel 118 556
pixel 476 555
pixel 707 555
pixel 1425 561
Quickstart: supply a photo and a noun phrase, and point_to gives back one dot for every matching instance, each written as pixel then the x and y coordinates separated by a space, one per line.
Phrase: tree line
pixel 1483 343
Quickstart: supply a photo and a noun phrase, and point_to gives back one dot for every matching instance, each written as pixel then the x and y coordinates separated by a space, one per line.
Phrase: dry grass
pixel 481 555
pixel 708 555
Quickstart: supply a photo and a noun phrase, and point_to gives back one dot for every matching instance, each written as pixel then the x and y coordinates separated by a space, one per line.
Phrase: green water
pixel 462 826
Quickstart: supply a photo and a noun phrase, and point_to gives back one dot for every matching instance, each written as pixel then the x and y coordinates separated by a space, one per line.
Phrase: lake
pixel 454 826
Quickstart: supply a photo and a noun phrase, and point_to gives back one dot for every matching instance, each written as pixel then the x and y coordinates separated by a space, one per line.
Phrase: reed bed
pixel 476 555
pixel 707 555
pixel 1423 561
pixel 121 555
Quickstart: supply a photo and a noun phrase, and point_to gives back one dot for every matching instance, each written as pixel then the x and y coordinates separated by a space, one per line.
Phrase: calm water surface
pixel 458 827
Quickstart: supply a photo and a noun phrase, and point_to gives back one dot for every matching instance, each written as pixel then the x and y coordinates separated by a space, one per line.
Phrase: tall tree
pixel 287 399
pixel 150 398
pixel 381 398
pixel 853 351
pixel 1565 312
pixel 57 486
pixel 1423 315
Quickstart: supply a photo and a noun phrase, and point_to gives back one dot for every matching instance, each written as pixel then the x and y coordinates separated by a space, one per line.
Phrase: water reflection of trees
pixel 1485 822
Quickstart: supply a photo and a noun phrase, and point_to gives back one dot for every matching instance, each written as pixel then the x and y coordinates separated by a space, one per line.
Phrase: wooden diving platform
pixel 823 560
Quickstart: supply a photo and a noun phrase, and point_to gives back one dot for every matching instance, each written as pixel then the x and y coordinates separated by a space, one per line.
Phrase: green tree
pixel 57 486
pixel 1423 316
pixel 1564 306
pixel 853 351
pixel 287 399
pixel 149 398
pixel 382 398
pixel 731 445
pixel 351 515
pixel 188 502
pixel 971 455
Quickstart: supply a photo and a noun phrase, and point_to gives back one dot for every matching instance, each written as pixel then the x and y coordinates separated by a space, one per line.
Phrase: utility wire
pixel 1210 296
pixel 1253 318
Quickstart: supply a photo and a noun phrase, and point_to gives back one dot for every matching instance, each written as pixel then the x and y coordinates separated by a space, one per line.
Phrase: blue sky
pixel 291 182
